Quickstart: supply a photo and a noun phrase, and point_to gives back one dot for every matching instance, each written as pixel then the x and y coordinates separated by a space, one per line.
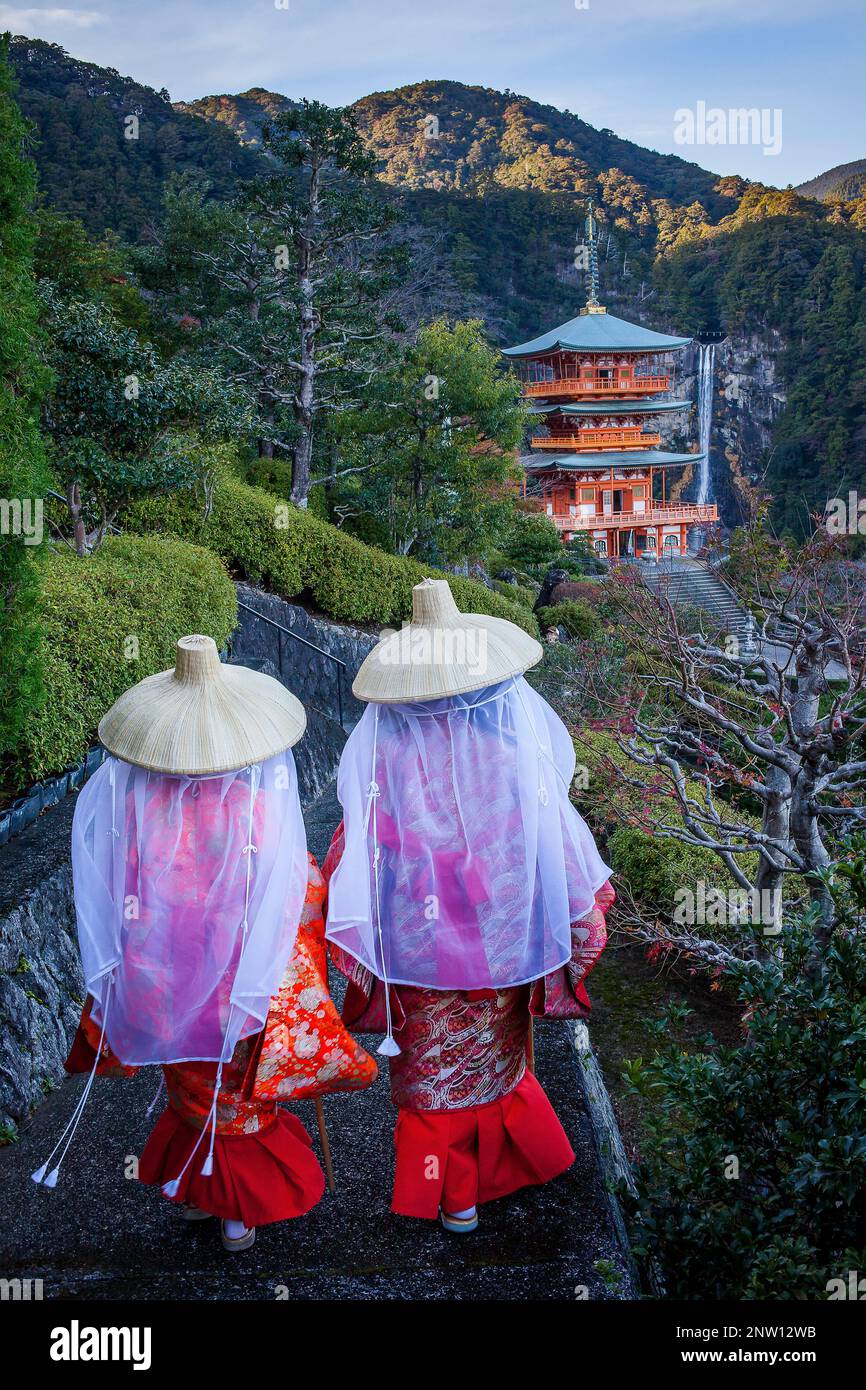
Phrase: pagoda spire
pixel 592 304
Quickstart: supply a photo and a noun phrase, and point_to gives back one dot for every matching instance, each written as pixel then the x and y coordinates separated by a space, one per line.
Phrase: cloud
pixel 22 19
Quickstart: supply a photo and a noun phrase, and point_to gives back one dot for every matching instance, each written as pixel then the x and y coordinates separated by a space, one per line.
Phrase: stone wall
pixel 309 674
pixel 41 985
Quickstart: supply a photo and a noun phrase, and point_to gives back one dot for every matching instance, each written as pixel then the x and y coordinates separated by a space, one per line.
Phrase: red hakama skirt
pixel 455 1159
pixel 270 1175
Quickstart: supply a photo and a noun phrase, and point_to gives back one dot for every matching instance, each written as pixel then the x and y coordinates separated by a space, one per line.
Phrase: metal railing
pixel 329 656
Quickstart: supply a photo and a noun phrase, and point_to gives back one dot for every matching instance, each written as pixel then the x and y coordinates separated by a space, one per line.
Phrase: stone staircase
pixel 687 581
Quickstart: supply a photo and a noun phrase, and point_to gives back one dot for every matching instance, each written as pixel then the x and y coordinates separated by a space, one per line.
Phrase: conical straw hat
pixel 443 652
pixel 203 716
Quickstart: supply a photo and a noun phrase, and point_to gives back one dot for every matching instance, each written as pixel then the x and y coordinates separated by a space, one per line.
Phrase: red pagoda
pixel 599 385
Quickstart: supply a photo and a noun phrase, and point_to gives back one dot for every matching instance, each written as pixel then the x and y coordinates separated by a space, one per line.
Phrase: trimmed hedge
pixel 292 553
pixel 108 621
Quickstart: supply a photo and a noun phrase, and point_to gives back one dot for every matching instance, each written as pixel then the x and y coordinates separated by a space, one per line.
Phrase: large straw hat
pixel 443 652
pixel 203 716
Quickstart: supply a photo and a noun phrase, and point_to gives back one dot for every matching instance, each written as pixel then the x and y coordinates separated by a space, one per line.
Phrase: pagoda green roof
pixel 634 458
pixel 598 332
pixel 609 407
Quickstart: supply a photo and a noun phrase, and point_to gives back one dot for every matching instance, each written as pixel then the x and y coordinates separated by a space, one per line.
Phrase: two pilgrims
pixel 462 898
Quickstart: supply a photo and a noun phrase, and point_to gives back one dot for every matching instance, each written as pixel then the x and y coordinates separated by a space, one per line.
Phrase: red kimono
pixel 473 1122
pixel 264 1166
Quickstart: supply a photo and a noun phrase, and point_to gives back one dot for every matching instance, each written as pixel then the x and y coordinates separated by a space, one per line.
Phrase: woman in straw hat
pixel 200 924
pixel 466 896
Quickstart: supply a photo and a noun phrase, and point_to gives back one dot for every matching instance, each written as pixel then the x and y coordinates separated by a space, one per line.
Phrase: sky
pixel 664 73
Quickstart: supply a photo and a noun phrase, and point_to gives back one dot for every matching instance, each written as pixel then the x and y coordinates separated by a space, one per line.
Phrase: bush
pixel 586 590
pixel 654 867
pixel 294 553
pixel 752 1183
pixel 578 619
pixel 516 593
pixel 105 623
pixel 23 381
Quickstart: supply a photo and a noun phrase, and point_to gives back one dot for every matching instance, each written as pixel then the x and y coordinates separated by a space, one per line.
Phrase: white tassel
pixel 171 1188
pixel 389 1047
pixel 207 1166
pixel 72 1122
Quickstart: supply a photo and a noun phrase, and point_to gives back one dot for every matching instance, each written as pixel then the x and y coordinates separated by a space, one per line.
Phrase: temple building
pixel 598 387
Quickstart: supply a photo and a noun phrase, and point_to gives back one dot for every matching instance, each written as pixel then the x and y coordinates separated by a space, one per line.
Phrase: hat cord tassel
pixel 172 1188
pixel 542 749
pixel 42 1175
pixel 388 1047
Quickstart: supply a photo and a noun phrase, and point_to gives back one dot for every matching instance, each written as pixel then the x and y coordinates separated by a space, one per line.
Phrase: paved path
pixel 101 1236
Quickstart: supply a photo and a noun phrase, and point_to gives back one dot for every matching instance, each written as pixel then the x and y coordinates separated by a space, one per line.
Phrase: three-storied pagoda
pixel 598 386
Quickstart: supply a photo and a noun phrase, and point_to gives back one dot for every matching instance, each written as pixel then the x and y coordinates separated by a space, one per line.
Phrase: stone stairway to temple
pixel 688 581
pixel 100 1235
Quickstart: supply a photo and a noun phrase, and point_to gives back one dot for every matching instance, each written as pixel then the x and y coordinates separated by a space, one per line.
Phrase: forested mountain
pixel 445 135
pixel 244 113
pixel 497 184
pixel 841 184
pixel 97 164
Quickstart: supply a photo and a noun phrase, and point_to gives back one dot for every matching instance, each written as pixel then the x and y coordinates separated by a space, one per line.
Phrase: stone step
pixel 698 587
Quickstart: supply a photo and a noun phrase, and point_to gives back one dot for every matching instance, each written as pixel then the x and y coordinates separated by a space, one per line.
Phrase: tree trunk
pixel 805 829
pixel 73 502
pixel 306 395
pixel 775 823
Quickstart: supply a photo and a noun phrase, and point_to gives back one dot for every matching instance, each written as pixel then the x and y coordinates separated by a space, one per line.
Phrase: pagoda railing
pixel 597 386
pixel 691 513
pixel 597 439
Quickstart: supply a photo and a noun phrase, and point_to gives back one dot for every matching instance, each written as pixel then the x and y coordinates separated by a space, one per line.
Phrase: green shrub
pixel 23 381
pixel 516 593
pixel 579 620
pixel 294 553
pixel 105 623
pixel 654 867
pixel 752 1183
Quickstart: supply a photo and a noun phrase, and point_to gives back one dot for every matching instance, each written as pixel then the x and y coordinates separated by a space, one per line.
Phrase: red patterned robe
pixel 264 1166
pixel 473 1122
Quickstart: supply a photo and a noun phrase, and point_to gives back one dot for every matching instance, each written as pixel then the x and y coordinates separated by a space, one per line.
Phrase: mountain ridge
pixel 841 183
pixel 444 134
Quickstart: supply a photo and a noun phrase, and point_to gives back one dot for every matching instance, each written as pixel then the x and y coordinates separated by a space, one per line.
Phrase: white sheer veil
pixel 465 862
pixel 188 894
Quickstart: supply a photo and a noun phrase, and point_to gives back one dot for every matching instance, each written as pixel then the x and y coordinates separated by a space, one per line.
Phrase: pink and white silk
pixel 188 894
pixel 465 862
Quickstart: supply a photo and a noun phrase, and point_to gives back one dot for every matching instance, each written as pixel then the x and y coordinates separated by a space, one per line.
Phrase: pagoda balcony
pixel 691 513
pixel 629 438
pixel 598 386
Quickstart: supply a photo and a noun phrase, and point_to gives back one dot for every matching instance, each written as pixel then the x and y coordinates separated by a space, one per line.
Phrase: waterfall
pixel 706 368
